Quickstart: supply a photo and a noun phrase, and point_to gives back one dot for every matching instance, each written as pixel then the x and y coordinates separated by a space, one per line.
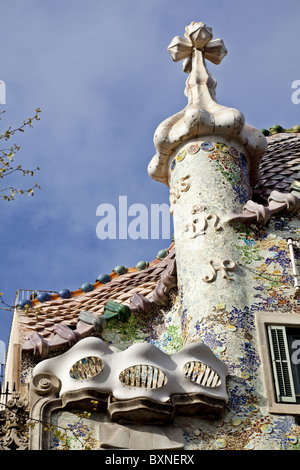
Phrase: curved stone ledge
pixel 52 388
pixel 140 410
pixel 114 363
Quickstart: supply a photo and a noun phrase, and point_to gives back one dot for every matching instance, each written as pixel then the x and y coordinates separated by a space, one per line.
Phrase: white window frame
pixel 265 323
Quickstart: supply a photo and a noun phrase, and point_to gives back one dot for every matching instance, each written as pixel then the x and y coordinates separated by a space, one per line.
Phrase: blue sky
pixel 101 74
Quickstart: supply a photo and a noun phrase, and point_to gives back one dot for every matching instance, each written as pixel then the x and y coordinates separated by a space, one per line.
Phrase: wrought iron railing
pixel 27 294
pixel 5 392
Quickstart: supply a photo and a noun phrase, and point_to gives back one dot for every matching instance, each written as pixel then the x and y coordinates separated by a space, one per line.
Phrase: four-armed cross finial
pixel 198 36
pixel 197 47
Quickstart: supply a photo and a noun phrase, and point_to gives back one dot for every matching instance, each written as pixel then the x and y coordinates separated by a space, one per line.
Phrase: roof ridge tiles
pixel 44 317
pixel 279 166
pixel 115 281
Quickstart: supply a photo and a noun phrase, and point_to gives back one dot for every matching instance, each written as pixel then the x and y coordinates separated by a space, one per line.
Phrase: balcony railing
pixel 26 294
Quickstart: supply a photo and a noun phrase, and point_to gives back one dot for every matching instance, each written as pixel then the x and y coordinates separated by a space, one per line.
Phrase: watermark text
pixel 135 221
pixel 296 94
pixel 2 92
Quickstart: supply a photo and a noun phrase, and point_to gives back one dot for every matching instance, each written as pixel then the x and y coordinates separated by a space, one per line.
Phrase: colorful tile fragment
pixel 266 428
pixel 221 443
pixel 249 446
pixel 181 155
pixel 292 439
pixel 231 328
pixel 236 421
pixel 173 164
pixel 207 146
pixel 222 147
pixel 234 152
pixel 192 149
pixel 253 408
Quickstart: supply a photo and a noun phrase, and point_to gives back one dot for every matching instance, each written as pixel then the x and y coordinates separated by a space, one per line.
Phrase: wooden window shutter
pixel 283 376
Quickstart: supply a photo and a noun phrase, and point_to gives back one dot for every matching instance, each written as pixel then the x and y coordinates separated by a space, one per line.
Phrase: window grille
pixel 144 376
pixel 201 374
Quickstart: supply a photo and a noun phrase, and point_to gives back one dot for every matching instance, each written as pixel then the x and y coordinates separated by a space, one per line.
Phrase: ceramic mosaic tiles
pixel 229 161
pixel 246 424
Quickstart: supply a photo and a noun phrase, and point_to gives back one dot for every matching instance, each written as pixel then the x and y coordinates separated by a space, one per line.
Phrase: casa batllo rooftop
pixel 196 349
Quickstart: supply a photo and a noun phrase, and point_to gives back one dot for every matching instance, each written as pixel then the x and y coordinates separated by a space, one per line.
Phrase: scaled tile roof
pixel 56 322
pixel 280 165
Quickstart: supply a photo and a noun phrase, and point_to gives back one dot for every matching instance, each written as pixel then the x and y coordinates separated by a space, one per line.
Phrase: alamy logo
pixel 296 94
pixel 2 92
pixel 133 222
pixel 2 359
pixel 295 356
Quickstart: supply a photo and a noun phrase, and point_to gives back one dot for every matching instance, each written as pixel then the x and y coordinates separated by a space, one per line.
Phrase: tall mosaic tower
pixel 210 158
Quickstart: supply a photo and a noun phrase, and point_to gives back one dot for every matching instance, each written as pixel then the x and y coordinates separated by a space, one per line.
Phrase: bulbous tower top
pixel 203 116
